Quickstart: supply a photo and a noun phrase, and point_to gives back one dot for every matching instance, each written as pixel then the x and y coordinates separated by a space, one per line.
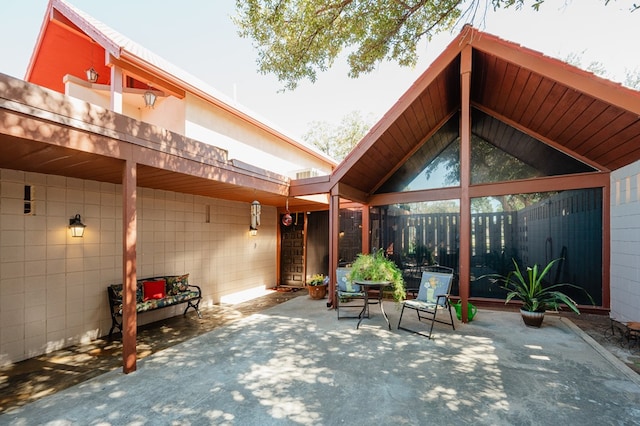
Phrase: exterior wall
pixel 625 243
pixel 168 112
pixel 249 144
pixel 204 122
pixel 53 286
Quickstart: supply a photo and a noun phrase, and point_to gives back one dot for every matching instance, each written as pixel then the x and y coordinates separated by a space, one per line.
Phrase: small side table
pixel 634 332
pixel 366 286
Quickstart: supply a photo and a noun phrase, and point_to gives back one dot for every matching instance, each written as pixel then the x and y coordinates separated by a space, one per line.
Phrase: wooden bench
pixel 155 293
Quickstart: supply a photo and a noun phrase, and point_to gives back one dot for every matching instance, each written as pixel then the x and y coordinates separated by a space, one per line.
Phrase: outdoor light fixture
pixel 92 75
pixel 76 226
pixel 149 99
pixel 255 218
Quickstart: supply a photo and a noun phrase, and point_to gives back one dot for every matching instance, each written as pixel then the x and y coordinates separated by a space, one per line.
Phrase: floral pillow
pixel 118 291
pixel 177 284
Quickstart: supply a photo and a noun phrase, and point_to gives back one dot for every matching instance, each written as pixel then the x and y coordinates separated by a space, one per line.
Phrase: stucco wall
pixel 53 286
pixel 220 128
pixel 625 243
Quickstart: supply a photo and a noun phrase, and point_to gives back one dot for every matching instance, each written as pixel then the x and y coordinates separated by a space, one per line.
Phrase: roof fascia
pixel 563 73
pixel 71 14
pixel 436 68
pixel 48 15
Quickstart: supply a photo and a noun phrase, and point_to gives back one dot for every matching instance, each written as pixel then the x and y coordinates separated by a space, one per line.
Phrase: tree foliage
pixel 296 39
pixel 488 164
pixel 338 141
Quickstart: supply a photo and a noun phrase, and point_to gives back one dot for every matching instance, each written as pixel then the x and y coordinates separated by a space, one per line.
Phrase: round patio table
pixel 366 286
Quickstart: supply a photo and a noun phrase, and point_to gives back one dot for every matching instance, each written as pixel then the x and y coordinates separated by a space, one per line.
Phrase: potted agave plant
pixel 317 285
pixel 528 286
pixel 377 267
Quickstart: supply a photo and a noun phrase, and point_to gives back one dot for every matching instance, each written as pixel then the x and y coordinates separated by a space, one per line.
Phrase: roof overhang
pixel 43 131
pixel 587 118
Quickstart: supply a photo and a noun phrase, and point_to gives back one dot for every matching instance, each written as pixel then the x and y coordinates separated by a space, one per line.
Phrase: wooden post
pixel 129 277
pixel 464 273
pixel 366 229
pixel 334 231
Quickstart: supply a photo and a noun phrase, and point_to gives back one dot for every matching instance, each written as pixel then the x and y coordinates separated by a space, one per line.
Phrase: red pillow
pixel 153 290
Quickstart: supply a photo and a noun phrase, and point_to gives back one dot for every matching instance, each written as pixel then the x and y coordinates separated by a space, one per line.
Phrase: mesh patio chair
pixel 433 298
pixel 348 295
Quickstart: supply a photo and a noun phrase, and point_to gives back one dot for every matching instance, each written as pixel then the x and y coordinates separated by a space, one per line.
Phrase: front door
pixel 292 252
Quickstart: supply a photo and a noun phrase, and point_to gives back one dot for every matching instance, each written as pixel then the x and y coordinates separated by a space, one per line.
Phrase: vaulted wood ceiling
pixel 517 95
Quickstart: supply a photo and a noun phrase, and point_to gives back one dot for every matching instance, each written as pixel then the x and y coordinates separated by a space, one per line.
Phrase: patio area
pixel 295 363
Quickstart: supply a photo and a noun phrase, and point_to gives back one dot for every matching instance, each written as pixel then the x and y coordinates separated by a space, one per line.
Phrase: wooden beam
pixel 366 229
pixel 543 139
pixel 545 184
pixel 439 194
pixel 146 77
pixel 350 193
pixel 464 272
pixel 334 231
pixel 299 188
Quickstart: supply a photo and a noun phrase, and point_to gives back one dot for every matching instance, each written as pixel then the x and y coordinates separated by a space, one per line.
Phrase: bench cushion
pixel 166 301
pixel 176 290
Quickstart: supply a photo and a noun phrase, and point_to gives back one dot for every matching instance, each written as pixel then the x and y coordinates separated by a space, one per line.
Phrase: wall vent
pixel 307 173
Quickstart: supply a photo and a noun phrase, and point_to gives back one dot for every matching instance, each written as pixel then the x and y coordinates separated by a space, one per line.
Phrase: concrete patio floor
pixel 37 377
pixel 295 363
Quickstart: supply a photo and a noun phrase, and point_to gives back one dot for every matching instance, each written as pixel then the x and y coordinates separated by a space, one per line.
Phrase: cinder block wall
pixel 53 286
pixel 625 243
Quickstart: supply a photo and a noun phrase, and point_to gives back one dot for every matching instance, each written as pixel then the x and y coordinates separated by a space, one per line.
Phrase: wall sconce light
pixel 92 75
pixel 76 226
pixel 149 99
pixel 255 218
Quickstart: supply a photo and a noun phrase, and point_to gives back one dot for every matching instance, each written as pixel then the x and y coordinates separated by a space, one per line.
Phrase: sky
pixel 199 37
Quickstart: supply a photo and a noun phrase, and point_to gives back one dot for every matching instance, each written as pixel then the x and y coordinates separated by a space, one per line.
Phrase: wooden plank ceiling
pixel 550 114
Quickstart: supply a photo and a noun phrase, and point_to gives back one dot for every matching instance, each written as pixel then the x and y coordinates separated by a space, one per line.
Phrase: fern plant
pixel 377 267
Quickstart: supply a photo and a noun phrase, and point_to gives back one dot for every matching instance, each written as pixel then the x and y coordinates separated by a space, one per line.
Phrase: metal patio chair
pixel 433 299
pixel 348 295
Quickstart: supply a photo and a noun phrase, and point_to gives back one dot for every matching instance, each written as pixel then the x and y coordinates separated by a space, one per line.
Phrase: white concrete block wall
pixel 625 243
pixel 53 286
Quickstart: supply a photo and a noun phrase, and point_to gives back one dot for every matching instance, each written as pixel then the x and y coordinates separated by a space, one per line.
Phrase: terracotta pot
pixel 532 319
pixel 317 292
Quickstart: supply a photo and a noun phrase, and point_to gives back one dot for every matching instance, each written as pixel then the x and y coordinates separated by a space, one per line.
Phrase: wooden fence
pixel 567 225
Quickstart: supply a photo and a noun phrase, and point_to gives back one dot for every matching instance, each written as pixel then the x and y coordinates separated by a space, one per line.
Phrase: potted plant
pixel 317 285
pixel 377 267
pixel 528 286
